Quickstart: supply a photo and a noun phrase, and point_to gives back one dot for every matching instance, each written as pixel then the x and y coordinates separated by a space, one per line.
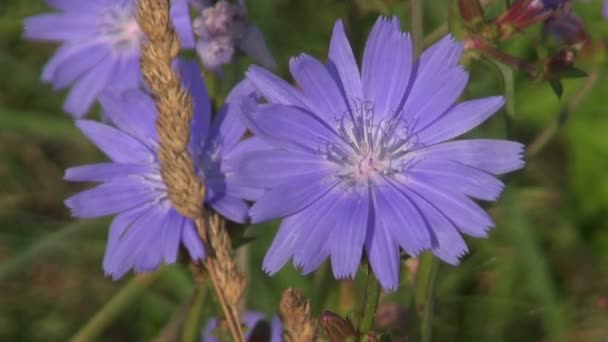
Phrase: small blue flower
pixel 363 162
pixel 250 320
pixel 147 230
pixel 221 28
pixel 100 47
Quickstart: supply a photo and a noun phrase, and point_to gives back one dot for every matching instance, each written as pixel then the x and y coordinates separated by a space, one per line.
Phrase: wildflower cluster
pixel 362 161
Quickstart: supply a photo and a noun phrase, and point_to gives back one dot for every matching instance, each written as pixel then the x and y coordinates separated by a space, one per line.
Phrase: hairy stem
pixel 192 325
pixel 369 305
pixel 425 286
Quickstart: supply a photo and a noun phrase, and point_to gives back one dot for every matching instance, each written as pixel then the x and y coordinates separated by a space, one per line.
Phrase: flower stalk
pixel 185 188
pixel 369 305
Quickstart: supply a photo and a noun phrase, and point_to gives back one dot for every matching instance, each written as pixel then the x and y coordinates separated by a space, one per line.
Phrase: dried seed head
pixel 295 313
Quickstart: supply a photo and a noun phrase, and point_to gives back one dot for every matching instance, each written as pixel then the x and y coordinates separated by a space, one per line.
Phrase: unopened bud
pixel 470 11
pixel 335 327
pixel 525 13
pixel 566 28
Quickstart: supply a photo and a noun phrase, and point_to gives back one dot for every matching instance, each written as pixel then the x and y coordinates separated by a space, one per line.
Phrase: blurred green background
pixel 542 275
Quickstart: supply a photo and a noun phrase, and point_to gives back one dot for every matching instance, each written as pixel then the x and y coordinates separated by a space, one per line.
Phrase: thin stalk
pixel 437 34
pixel 123 299
pixel 192 326
pixel 369 305
pixel 545 136
pixel 231 314
pixel 425 288
pixel 416 21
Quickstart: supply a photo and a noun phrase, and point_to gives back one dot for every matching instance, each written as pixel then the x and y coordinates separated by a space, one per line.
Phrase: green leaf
pixel 558 87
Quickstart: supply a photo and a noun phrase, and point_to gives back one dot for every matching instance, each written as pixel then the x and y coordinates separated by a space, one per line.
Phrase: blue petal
pixel 453 176
pixel 494 156
pixel 233 208
pixel 133 112
pixel 131 250
pixel 387 67
pixel 430 100
pixel 318 222
pixel 274 89
pixel 402 219
pixel 87 88
pixel 467 216
pixel 383 254
pixel 289 198
pixel 191 240
pixel 348 235
pixel 460 119
pixel 342 61
pixel 286 166
pixel 291 127
pixel 319 87
pixel 117 145
pixel 104 172
pixel 254 45
pixel 109 198
pixel 119 226
pixel 71 61
pixel 228 127
pixel 194 83
pixel 450 247
pixel 60 27
pixel 180 17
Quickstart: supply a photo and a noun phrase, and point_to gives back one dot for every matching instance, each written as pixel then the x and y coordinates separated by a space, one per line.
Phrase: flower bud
pixel 470 11
pixel 335 327
pixel 566 28
pixel 525 13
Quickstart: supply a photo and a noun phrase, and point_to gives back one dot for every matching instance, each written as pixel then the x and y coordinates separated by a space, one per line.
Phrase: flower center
pixel 118 25
pixel 371 148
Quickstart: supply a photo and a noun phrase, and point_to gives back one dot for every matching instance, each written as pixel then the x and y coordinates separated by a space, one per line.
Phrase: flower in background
pixel 566 28
pixel 257 328
pixel 222 27
pixel 100 47
pixel 147 230
pixel 524 13
pixel 364 162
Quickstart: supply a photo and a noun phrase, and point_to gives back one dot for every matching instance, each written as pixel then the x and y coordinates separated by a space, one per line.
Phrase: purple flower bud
pixel 215 52
pixel 222 27
pixel 566 28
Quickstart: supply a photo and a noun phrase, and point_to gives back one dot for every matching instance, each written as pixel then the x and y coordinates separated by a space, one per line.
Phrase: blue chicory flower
pixel 250 319
pixel 100 47
pixel 364 162
pixel 221 28
pixel 147 230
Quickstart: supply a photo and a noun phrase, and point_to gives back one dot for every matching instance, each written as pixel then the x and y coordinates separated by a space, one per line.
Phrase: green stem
pixel 369 304
pixel 425 285
pixel 416 13
pixel 114 307
pixel 437 34
pixel 192 326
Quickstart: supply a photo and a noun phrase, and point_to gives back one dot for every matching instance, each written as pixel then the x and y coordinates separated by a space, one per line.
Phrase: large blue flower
pixel 362 161
pixel 147 229
pixel 101 43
